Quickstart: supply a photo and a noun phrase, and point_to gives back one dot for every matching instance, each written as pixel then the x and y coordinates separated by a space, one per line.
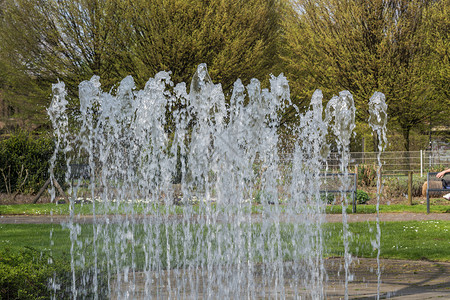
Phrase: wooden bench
pixel 431 177
pixel 332 183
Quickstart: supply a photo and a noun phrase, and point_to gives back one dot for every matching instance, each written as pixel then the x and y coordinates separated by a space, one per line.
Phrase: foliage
pixel 362 197
pixel 43 41
pixel 328 197
pixel 417 140
pixel 367 46
pixel 24 162
pixel 435 168
pixel 395 187
pixel 237 39
pixel 27 274
pixel 367 175
pixel 437 39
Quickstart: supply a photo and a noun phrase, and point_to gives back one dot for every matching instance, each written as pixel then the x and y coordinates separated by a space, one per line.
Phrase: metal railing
pixel 394 162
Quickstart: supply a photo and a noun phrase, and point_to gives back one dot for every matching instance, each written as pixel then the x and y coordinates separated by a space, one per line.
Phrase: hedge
pixel 28 274
pixel 24 162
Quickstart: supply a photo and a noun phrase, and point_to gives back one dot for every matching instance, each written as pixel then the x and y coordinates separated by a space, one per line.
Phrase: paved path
pixel 332 218
pixel 400 279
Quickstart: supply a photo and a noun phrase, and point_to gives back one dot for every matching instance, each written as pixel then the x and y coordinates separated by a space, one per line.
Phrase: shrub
pixel 31 274
pixel 24 162
pixel 435 168
pixel 367 175
pixel 328 197
pixel 27 274
pixel 398 186
pixel 362 197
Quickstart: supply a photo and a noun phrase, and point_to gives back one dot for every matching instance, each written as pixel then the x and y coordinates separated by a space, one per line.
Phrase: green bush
pixel 328 197
pixel 31 274
pixel 435 168
pixel 398 186
pixel 24 162
pixel 367 175
pixel 362 197
pixel 27 274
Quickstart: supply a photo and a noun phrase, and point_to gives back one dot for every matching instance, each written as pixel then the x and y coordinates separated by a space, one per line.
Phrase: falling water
pixel 173 177
pixel 341 110
pixel 378 120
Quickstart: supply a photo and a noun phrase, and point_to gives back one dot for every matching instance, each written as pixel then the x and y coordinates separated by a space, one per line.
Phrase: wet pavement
pixel 400 279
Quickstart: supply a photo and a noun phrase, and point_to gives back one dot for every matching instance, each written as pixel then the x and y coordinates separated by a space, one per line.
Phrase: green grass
pixel 393 208
pixel 86 209
pixel 34 209
pixel 83 209
pixel 37 236
pixel 412 240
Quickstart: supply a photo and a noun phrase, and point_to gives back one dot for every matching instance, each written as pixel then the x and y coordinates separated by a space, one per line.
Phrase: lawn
pixel 87 209
pixel 414 240
pixel 83 209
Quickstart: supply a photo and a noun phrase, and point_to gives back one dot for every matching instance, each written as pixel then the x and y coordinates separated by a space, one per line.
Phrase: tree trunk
pixel 406 131
pixel 375 141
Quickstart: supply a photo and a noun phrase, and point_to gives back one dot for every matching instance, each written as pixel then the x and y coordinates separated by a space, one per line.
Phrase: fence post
pixel 356 189
pixel 410 179
pixel 421 163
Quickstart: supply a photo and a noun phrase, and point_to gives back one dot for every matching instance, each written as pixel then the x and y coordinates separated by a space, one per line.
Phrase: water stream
pixel 378 121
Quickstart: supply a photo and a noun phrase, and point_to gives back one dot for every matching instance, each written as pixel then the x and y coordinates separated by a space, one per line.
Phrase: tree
pixel 236 39
pixel 72 40
pixel 363 46
pixel 437 40
pixel 43 41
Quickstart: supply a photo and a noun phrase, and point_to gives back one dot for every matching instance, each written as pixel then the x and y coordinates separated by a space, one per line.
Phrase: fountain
pixel 342 110
pixel 174 178
pixel 378 120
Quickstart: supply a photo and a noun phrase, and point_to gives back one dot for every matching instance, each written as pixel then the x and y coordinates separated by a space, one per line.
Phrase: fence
pixel 400 162
pixel 394 163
